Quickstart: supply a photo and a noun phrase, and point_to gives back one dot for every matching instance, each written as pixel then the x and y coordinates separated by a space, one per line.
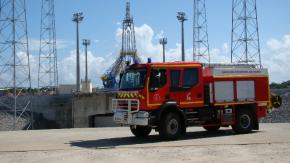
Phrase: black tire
pixel 170 126
pixel 244 121
pixel 212 128
pixel 140 131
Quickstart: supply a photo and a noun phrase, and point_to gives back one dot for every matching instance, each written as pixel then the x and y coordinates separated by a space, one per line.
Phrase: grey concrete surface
pixel 87 106
pixel 270 144
pixel 52 111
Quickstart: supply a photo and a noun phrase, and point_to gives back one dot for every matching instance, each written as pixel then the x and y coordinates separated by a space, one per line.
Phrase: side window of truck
pixel 174 78
pixel 190 77
pixel 157 79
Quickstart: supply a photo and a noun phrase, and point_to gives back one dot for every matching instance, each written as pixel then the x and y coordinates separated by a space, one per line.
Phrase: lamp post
pixel 86 43
pixel 182 17
pixel 163 42
pixel 77 18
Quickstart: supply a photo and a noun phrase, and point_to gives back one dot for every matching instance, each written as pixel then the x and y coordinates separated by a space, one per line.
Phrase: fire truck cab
pixel 169 97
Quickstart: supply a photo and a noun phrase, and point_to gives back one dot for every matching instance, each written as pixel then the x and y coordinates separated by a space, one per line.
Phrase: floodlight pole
pixel 163 42
pixel 78 17
pixel 182 17
pixel 86 43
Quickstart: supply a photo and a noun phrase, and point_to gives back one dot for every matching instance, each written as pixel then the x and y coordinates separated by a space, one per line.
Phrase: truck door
pixel 157 87
pixel 191 92
pixel 175 85
pixel 186 87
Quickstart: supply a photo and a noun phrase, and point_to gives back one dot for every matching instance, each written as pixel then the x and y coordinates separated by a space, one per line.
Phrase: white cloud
pixel 96 67
pixel 275 44
pixel 160 35
pixel 96 41
pixel 22 70
pixel 148 45
pixel 66 69
pixel 35 43
pixel 276 57
pixel 226 47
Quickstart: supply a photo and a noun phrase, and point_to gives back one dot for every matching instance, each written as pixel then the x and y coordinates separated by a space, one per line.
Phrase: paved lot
pixel 270 144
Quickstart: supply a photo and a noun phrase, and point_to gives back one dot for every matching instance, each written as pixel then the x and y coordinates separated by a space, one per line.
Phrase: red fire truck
pixel 169 97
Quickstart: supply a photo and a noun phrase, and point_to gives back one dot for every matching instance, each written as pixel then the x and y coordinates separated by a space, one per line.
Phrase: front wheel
pixel 244 121
pixel 170 126
pixel 140 131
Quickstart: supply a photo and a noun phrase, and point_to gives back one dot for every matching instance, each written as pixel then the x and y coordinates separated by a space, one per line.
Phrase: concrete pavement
pixel 270 144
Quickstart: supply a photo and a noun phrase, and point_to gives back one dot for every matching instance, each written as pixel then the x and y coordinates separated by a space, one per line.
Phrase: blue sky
pixel 103 17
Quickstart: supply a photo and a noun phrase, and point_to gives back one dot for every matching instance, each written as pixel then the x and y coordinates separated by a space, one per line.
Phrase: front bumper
pixel 126 112
pixel 140 118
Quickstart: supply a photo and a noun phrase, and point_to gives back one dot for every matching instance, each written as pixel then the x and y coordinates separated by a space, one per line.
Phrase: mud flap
pixel 256 125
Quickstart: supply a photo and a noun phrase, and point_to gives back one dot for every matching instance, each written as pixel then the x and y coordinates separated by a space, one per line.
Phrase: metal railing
pixel 128 105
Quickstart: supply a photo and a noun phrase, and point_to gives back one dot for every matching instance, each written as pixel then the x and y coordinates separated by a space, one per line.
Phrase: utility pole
pixel 86 43
pixel 182 17
pixel 78 17
pixel 163 42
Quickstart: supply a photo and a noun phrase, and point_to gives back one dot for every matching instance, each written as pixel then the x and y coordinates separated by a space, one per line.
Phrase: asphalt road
pixel 270 144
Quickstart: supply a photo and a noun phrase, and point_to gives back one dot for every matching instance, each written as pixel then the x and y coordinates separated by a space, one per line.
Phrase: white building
pixel 86 86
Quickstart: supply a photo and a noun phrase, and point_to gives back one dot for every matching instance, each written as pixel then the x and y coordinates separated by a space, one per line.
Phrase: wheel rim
pixel 245 121
pixel 172 126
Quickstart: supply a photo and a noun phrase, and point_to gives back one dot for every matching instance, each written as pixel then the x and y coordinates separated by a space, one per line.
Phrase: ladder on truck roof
pixel 221 65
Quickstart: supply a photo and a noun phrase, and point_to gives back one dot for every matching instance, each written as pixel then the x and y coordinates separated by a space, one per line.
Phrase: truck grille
pixel 125 105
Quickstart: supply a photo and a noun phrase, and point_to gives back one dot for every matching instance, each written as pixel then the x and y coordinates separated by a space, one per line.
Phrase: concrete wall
pixel 52 111
pixel 67 111
pixel 87 106
pixel 66 89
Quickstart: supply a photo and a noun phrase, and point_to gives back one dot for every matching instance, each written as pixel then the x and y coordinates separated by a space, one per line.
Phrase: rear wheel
pixel 170 126
pixel 212 128
pixel 140 131
pixel 244 121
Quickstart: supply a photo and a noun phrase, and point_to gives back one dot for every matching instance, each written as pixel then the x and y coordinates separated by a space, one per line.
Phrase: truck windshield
pixel 133 79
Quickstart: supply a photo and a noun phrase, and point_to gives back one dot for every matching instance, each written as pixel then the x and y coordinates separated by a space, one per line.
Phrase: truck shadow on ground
pixel 108 143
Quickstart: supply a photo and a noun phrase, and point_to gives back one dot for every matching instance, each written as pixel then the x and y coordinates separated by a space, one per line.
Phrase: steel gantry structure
pixel 128 54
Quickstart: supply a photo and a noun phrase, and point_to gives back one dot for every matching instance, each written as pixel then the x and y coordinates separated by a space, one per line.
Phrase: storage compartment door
pixel 245 90
pixel 224 91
